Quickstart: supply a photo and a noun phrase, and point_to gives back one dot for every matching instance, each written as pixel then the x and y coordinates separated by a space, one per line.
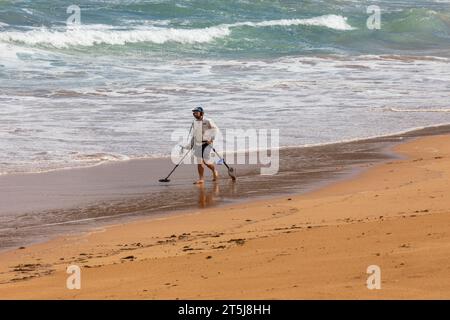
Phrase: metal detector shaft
pixel 178 164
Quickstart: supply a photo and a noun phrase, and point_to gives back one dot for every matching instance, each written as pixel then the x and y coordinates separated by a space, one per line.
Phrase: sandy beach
pixel 311 246
pixel 333 115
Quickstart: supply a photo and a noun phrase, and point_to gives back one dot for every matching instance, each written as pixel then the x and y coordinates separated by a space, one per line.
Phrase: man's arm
pixel 212 131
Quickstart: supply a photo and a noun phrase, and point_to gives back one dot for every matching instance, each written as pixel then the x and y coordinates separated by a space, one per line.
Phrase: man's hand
pixel 209 142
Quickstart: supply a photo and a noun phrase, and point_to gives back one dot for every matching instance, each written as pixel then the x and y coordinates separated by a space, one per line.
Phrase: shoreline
pixel 78 200
pixel 175 247
pixel 150 158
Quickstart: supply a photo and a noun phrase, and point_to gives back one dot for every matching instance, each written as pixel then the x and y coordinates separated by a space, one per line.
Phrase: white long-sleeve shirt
pixel 203 130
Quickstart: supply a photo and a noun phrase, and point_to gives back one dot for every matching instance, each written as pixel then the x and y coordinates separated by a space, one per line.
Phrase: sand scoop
pixel 231 171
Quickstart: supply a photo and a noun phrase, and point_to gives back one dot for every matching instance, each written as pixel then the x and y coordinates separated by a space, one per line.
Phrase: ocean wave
pixel 86 36
pixel 418 20
pixel 100 157
pixel 9 54
pixel 418 110
pixel 91 35
pixel 330 21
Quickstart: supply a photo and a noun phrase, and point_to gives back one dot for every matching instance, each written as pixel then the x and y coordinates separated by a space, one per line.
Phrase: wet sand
pixel 37 207
pixel 314 245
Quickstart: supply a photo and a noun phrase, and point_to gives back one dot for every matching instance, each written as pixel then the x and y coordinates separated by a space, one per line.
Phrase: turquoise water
pixel 117 86
pixel 222 28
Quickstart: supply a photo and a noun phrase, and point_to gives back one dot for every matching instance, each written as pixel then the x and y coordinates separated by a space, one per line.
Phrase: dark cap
pixel 198 109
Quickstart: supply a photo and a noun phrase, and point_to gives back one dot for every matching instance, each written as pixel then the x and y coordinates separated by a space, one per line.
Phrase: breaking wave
pixel 418 110
pixel 91 35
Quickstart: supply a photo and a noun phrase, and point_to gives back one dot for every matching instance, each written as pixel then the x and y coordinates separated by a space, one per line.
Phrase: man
pixel 204 132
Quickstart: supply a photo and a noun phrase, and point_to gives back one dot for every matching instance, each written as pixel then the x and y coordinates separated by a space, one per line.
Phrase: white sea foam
pixel 100 157
pixel 418 110
pixel 8 54
pixel 329 21
pixel 309 98
pixel 27 11
pixel 86 36
pixel 90 35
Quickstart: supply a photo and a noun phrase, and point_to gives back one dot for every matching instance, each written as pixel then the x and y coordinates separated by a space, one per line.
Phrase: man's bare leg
pixel 201 172
pixel 214 171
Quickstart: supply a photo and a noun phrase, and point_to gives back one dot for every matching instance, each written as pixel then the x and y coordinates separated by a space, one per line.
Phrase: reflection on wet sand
pixel 208 195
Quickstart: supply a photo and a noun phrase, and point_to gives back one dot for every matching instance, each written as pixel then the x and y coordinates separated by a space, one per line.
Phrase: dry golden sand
pixel 319 245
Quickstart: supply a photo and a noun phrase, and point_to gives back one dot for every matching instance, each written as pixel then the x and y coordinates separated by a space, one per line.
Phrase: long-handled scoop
pixel 231 171
pixel 166 179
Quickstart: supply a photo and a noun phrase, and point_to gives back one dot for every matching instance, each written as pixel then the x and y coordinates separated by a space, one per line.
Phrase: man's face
pixel 197 115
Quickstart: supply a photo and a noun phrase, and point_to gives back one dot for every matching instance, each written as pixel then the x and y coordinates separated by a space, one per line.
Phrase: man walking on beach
pixel 204 132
